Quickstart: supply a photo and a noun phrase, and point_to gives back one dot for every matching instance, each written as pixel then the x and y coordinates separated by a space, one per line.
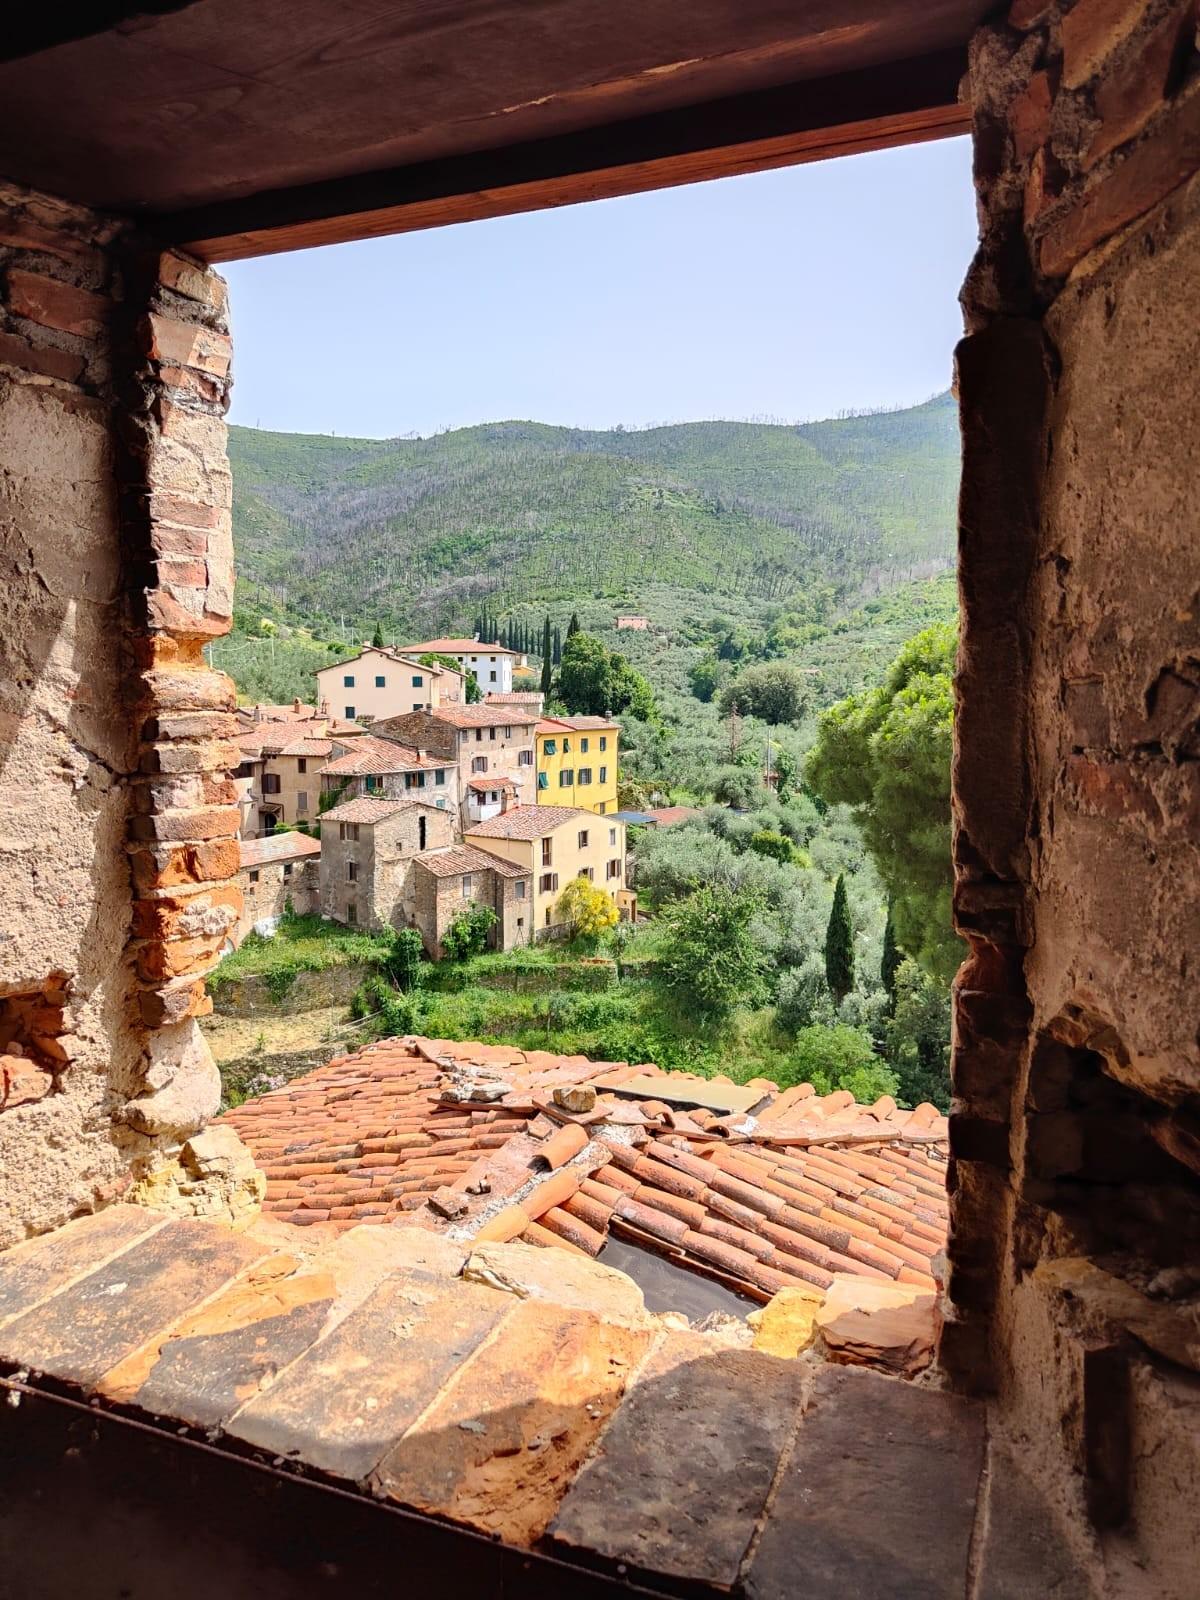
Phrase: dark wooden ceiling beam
pixel 30 29
pixel 899 103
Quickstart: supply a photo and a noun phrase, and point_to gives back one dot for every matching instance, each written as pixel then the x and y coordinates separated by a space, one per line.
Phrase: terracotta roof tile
pixel 526 822
pixel 277 847
pixel 371 808
pixel 461 859
pixel 371 1137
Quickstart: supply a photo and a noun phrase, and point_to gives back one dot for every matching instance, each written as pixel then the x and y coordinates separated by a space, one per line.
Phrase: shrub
pixel 839 1057
pixel 587 910
pixel 710 955
pixel 403 961
pixel 467 935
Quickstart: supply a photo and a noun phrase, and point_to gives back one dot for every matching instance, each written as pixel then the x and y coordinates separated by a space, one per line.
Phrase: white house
pixel 491 664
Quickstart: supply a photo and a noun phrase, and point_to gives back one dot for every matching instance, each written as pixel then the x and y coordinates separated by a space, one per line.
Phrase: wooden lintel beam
pixel 900 103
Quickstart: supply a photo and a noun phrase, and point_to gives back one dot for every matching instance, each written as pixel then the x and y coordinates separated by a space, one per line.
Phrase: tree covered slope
pixel 515 512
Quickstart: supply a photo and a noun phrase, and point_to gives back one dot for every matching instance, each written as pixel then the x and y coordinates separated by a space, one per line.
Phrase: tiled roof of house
pixel 455 647
pixel 297 711
pixel 526 822
pixel 518 697
pixel 667 816
pixel 578 725
pixel 759 1187
pixel 460 858
pixel 373 808
pixel 482 785
pixel 277 847
pixel 371 754
pixel 405 658
pixel 481 715
pixel 280 739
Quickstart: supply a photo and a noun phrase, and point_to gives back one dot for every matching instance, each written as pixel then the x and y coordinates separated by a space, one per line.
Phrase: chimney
pixel 296 703
pixel 504 793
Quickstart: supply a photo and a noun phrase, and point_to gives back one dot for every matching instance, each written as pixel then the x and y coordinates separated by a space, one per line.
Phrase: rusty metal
pixel 97 1506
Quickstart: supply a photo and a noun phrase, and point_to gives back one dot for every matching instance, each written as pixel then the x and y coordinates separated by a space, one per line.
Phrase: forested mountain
pixel 421 530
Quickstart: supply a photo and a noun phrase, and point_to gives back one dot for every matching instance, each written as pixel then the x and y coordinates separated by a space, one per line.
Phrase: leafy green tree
pixel 377 636
pixel 839 1057
pixel 740 787
pixel 772 691
pixel 587 910
pixel 403 961
pixel 917 1037
pixel 594 681
pixel 766 842
pixel 710 957
pixel 467 935
pixel 573 625
pixel 557 645
pixel 703 678
pixel 785 775
pixel 891 958
pixel 839 944
pixel 886 753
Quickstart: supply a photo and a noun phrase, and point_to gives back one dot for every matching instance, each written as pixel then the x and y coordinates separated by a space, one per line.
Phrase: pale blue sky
pixel 785 295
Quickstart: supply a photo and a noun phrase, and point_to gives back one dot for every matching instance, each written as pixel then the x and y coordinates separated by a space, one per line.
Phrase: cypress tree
pixel 839 944
pixel 377 636
pixel 557 646
pixel 546 668
pixel 891 957
pixel 573 625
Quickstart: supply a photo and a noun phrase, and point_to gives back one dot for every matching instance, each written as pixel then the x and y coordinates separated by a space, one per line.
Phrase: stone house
pixel 390 771
pixel 279 775
pixel 279 872
pixel 555 844
pixel 486 742
pixel 577 762
pixel 447 882
pixel 491 665
pixel 381 682
pixel 367 849
pixel 527 699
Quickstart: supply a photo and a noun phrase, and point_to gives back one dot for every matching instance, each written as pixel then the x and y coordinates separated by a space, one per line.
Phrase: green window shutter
pixel 543 780
pixel 551 747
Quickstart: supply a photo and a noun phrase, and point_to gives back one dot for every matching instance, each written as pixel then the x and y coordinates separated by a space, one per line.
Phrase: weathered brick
pixel 201 384
pixel 18 231
pixel 176 958
pixel 193 280
pixel 1127 97
pixel 1162 161
pixel 203 431
pixel 1029 115
pixel 174 1002
pixel 167 865
pixel 166 612
pixel 182 570
pixel 57 305
pixel 216 755
pixel 180 689
pixel 184 344
pixel 169 827
pixel 179 916
pixel 192 725
pixel 168 540
pixel 46 361
pixel 1092 30
pixel 183 509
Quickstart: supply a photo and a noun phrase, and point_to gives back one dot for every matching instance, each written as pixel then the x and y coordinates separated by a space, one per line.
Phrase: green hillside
pixel 417 532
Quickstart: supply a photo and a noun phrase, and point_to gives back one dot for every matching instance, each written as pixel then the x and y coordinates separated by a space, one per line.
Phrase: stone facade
pixel 367 851
pixel 1076 784
pixel 115 567
pixel 484 741
pixel 278 874
pixel 447 883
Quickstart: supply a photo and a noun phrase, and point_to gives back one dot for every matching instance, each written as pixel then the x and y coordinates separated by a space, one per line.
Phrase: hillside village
pixel 398 801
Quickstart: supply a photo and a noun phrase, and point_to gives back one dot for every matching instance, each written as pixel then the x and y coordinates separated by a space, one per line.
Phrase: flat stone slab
pixel 32 1272
pixel 878 1496
pixel 499 1446
pixel 101 1319
pixel 1023 1552
pixel 682 1474
pixel 349 1399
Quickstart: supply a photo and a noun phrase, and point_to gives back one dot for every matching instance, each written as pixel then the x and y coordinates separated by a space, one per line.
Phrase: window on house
pixel 551 747
pixel 614 869
pixel 603 742
pixel 373 782
pixel 245 769
pixel 439 778
pixel 543 780
pixel 525 758
pixel 491 677
pixel 302 764
pixel 548 882
pixel 466 885
pixel 520 891
pixel 348 831
pixel 603 806
pixel 583 838
pixel 566 747
pixel 287 870
pixel 352 872
pixel 302 800
pixel 348 681
pixel 417 683
pixel 478 735
pixel 547 916
pixel 420 833
pixel 479 764
pixel 546 852
pixel 380 682
pixel 491 733
pixel 414 780
pixel 270 783
pixel 583 745
pixel 491 658
pixel 351 912
pixel 348 712
pixel 612 837
pixel 603 774
pixel 520 922
pixel 253 874
pixel 585 775
pixel 566 778
pixel 417 705
pixel 508 733
pixel 589 873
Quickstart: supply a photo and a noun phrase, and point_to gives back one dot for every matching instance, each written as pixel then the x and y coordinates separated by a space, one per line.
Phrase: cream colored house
pixel 555 844
pixel 279 776
pixel 380 682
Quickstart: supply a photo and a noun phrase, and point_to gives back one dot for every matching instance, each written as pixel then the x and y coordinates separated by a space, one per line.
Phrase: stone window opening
pixel 35 1042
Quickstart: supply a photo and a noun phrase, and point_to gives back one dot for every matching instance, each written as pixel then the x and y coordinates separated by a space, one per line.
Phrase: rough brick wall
pixel 115 566
pixel 1077 786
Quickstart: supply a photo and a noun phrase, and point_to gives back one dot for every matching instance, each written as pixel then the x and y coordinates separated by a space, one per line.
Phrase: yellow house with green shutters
pixel 576 760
